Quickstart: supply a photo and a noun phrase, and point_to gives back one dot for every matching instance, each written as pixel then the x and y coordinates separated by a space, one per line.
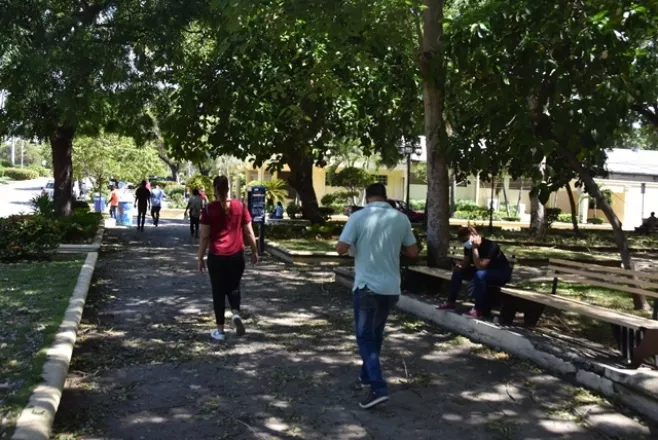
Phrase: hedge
pixel 28 237
pixel 21 173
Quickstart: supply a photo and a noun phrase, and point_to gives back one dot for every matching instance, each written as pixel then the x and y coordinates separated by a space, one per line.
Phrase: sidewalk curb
pixel 636 389
pixel 36 420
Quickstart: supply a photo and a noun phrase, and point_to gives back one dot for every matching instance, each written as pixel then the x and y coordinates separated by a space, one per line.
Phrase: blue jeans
pixel 482 278
pixel 370 313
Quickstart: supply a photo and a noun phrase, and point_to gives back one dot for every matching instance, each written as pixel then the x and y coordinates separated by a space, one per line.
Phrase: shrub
pixel 43 205
pixel 198 182
pixel 479 214
pixel 80 227
pixel 176 201
pixel 175 189
pixel 564 218
pixel 512 219
pixel 43 171
pixel 2 171
pixel 326 212
pixel 417 204
pixel 328 199
pixel 27 237
pixel 466 205
pixel 551 215
pixel 79 205
pixel 292 210
pixel 21 173
pixel 595 221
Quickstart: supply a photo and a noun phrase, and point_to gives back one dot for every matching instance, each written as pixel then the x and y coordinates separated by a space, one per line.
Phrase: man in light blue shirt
pixel 376 235
pixel 156 203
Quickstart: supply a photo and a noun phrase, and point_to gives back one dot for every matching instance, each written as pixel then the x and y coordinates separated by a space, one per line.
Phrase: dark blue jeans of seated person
pixel 371 311
pixel 482 278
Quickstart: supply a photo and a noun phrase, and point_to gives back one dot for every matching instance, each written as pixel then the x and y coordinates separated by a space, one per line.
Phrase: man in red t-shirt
pixel 224 223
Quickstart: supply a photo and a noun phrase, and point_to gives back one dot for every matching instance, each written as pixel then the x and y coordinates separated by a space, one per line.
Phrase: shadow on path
pixel 144 366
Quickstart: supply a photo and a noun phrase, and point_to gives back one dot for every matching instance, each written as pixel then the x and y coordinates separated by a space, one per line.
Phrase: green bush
pixel 21 174
pixel 198 182
pixel 27 237
pixel 176 201
pixel 417 204
pixel 328 199
pixel 595 221
pixel 479 214
pixel 466 205
pixel 43 171
pixel 175 189
pixel 80 227
pixel 551 215
pixel 512 219
pixel 564 218
pixel 80 205
pixel 2 171
pixel 43 205
pixel 292 210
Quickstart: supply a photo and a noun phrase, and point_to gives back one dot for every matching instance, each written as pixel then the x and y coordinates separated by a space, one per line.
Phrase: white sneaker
pixel 239 325
pixel 217 335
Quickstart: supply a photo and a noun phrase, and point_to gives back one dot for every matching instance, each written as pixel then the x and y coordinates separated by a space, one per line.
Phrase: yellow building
pixel 394 179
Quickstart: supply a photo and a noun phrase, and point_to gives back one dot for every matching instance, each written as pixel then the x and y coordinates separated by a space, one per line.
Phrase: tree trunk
pixel 639 301
pixel 432 69
pixel 574 211
pixel 537 215
pixel 301 179
pixel 61 144
pixel 520 199
pixel 507 211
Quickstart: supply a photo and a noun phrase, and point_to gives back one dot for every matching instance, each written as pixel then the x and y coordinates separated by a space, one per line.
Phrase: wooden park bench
pixel 637 336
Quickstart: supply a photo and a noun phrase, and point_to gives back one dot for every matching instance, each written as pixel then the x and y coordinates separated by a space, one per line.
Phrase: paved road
pixel 145 368
pixel 15 196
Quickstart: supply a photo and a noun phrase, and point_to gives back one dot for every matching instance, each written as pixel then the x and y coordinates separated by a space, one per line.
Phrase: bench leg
pixel 508 309
pixel 532 312
pixel 648 347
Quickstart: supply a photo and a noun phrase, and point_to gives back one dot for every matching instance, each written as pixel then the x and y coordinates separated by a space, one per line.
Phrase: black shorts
pixel 155 209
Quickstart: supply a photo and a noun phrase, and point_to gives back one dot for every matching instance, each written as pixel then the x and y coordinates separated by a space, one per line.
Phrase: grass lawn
pixel 572 323
pixel 33 299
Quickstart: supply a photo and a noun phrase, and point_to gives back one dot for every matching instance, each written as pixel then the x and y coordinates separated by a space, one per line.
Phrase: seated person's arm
pixel 409 246
pixel 482 255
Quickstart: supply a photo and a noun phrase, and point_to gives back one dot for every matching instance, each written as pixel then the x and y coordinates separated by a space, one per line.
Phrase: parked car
pixel 413 215
pixel 49 189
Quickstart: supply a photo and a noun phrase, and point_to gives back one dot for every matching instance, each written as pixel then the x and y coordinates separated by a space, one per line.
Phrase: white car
pixel 50 190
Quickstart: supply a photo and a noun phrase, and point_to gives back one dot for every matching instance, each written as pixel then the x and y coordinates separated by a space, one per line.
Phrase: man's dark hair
pixel 195 192
pixel 653 214
pixel 465 232
pixel 279 204
pixel 376 190
pixel 143 182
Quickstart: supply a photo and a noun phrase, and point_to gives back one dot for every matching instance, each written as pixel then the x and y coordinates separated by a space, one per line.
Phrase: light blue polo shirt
pixel 376 235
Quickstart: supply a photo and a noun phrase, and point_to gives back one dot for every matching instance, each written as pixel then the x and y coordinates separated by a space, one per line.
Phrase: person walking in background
pixel 142 203
pixel 204 197
pixel 157 195
pixel 375 235
pixel 148 184
pixel 485 263
pixel 224 223
pixel 194 207
pixel 113 202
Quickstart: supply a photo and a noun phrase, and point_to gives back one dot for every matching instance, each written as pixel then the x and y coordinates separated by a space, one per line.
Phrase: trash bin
pixel 99 203
pixel 125 213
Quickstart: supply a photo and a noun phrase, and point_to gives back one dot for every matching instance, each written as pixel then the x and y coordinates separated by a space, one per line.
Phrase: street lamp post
pixel 407 149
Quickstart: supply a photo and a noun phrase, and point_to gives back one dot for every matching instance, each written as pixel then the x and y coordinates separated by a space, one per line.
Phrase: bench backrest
pixel 614 278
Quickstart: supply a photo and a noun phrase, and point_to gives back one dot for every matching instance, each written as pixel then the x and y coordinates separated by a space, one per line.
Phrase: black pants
pixel 194 226
pixel 141 216
pixel 155 214
pixel 225 276
pixel 113 212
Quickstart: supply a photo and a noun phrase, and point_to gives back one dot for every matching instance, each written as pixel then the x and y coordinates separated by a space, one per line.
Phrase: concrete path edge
pixel 85 248
pixel 633 388
pixel 36 420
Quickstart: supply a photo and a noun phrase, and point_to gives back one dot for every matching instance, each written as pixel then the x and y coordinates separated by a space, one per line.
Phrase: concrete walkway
pixel 145 367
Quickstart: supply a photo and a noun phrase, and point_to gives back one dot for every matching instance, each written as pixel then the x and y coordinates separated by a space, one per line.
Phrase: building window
pixel 382 179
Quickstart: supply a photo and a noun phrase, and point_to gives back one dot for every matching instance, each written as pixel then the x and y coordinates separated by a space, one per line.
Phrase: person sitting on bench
pixel 485 262
pixel 648 224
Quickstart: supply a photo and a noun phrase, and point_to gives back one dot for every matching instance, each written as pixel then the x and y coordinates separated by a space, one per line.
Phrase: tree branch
pixel 644 110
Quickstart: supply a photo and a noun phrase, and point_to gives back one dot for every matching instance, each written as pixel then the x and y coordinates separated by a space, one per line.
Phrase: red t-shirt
pixel 226 237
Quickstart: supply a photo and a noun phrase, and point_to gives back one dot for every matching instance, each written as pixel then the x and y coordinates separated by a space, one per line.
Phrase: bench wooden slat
pixel 606 269
pixel 626 289
pixel 432 271
pixel 571 305
pixel 616 280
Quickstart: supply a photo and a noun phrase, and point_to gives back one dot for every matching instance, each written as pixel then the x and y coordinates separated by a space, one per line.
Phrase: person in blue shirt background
pixel 375 235
pixel 156 203
pixel 278 212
